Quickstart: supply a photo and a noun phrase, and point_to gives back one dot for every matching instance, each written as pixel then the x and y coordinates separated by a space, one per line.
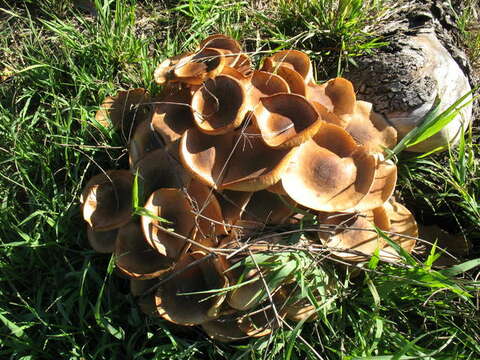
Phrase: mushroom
pixel 286 120
pixel 125 110
pixel 102 241
pixel 135 258
pixel 168 209
pixel 298 60
pixel 329 172
pixel 186 298
pixel 220 105
pixel 144 140
pixel 107 200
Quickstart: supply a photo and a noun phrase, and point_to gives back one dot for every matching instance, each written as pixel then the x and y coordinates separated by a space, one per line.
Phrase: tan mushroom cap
pixel 268 208
pixel 144 140
pixel 173 206
pixel 172 114
pixel 364 131
pixel 329 172
pixel 342 95
pixel 265 84
pixel 233 205
pixel 143 290
pixel 107 200
pixel 382 188
pixel 244 65
pixel 260 322
pixel 207 210
pixel 297 59
pixel 164 72
pixel 225 329
pixel 294 80
pixel 195 308
pixel 220 105
pixel 220 41
pixel 400 222
pixel 355 232
pixel 236 161
pixel 286 120
pixel 125 110
pixel 102 241
pixel 316 95
pixel 159 169
pixel 135 258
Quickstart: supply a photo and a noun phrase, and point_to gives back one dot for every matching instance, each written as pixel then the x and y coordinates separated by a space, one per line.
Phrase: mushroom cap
pixel 400 222
pixel 220 105
pixel 124 110
pixel 286 120
pixel 195 308
pixel 225 329
pixel 329 172
pixel 295 81
pixel 382 188
pixel 297 59
pixel 364 131
pixel 203 64
pixel 135 258
pixel 107 200
pixel 265 84
pixel 172 114
pixel 316 95
pixel 355 232
pixel 173 206
pixel 160 169
pixel 237 160
pixel 220 41
pixel 102 241
pixel 268 208
pixel 342 95
pixel 244 65
pixel 233 205
pixel 144 140
pixel 145 300
pixel 164 72
pixel 207 209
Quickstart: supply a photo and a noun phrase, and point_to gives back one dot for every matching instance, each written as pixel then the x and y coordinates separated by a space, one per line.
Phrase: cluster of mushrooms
pixel 225 155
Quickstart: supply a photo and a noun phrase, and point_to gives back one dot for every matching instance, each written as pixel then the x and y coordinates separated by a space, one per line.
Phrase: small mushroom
pixel 286 120
pixel 298 60
pixel 175 301
pixel 107 200
pixel 168 209
pixel 102 241
pixel 220 105
pixel 135 258
pixel 144 140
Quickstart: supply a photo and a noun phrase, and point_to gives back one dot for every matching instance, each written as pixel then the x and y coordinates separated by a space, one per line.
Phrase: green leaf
pixel 460 268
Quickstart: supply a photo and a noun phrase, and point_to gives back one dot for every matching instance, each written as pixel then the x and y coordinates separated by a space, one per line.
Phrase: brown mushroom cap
pixel 267 208
pixel 354 232
pixel 286 120
pixel 220 105
pixel 297 59
pixel 172 114
pixel 195 308
pixel 173 206
pixel 225 329
pixel 203 64
pixel 294 80
pixel 207 209
pixel 342 95
pixel 329 172
pixel 363 130
pixel 146 300
pixel 102 241
pixel 316 95
pixel 233 205
pixel 237 161
pixel 124 110
pixel 144 140
pixel 220 41
pixel 400 222
pixel 107 200
pixel 382 188
pixel 135 258
pixel 159 169
pixel 265 84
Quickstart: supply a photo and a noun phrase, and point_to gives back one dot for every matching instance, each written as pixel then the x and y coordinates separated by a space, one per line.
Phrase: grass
pixel 59 299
